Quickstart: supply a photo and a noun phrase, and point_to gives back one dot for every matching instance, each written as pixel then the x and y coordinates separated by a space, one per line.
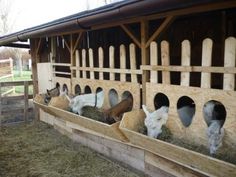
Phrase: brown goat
pixel 115 113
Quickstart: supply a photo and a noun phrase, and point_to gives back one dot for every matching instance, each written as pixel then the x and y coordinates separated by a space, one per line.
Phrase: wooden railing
pixel 25 96
pixel 6 72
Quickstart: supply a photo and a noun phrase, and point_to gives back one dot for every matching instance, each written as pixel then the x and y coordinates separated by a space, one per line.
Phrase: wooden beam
pixel 206 69
pixel 67 45
pixel 38 46
pixel 79 38
pixel 130 34
pixel 26 100
pixel 108 70
pixel 144 56
pixel 162 28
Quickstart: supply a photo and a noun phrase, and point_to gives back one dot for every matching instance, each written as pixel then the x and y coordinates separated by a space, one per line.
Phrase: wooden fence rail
pixel 6 72
pixel 25 96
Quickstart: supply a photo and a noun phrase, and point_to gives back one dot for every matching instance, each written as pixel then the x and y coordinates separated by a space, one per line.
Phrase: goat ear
pixel 145 110
pixel 48 92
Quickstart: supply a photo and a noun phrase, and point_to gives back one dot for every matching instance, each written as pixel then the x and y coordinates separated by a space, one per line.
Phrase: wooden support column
pixel 35 60
pixel 26 100
pixel 144 56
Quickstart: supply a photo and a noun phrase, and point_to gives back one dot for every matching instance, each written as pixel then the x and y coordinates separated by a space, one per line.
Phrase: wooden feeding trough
pixel 39 101
pixel 88 125
pixel 196 161
pixel 115 90
pixel 162 54
pixel 195 130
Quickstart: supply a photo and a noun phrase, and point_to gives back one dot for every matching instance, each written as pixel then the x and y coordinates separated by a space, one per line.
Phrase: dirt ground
pixel 37 150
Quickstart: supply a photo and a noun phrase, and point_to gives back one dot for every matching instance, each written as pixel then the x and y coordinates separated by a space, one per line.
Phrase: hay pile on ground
pixel 39 150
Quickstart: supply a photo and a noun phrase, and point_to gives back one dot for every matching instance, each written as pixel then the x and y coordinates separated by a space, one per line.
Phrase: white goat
pixel 155 120
pixel 215 136
pixel 92 99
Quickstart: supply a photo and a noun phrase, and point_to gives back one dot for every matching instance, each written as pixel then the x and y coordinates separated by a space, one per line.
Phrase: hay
pixel 166 135
pixel 93 113
pixel 39 150
pixel 60 102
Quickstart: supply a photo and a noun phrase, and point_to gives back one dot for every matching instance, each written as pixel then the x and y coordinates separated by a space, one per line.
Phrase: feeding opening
pixel 99 89
pixel 77 90
pixel 127 95
pixel 161 100
pixel 87 89
pixel 65 88
pixel 214 110
pixel 113 97
pixel 57 85
pixel 186 109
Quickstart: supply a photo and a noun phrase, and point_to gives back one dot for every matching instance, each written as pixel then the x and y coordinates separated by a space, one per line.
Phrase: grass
pixel 26 75
pixel 39 150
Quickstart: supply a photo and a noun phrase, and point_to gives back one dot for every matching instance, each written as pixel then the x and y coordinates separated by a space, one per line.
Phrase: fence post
pixel 26 96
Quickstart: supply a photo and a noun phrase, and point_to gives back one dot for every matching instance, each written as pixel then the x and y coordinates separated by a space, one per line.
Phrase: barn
pixel 161 53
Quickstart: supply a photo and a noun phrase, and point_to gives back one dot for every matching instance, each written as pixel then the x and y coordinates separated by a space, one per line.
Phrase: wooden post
pixel 165 59
pixel 84 62
pixel 101 61
pixel 91 65
pixel 34 72
pixel 154 61
pixel 111 61
pixel 26 100
pixel 77 63
pixel 133 62
pixel 144 56
pixel 122 62
pixel 206 61
pixel 229 61
pixel 185 61
pixel 12 77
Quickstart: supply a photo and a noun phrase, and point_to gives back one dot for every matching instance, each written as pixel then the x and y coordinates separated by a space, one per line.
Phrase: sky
pixel 28 13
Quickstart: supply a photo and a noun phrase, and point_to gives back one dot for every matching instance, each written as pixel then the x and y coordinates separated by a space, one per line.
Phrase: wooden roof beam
pixel 159 30
pixel 130 34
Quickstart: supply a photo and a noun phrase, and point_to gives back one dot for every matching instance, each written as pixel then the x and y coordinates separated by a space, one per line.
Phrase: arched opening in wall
pixel 186 109
pixel 161 100
pixel 214 111
pixel 57 85
pixel 87 89
pixel 77 90
pixel 65 88
pixel 129 98
pixel 113 97
pixel 100 95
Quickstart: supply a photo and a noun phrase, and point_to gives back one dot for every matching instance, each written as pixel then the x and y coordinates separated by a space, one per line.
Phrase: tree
pixel 6 27
pixel 5 9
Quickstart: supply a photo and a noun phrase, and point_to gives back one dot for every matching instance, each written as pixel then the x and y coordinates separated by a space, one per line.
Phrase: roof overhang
pixel 107 14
